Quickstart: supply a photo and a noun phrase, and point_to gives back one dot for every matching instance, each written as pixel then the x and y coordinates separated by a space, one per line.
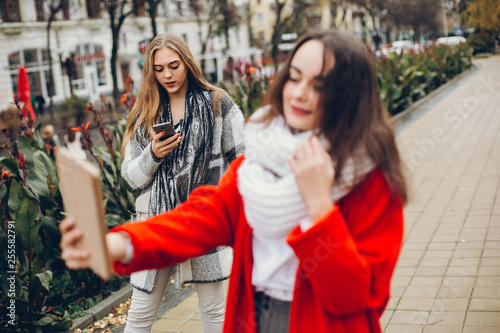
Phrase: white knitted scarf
pixel 272 202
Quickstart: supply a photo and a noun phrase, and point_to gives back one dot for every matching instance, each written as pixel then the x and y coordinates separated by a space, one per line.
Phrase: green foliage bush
pixel 73 108
pixel 31 208
pixel 402 78
pixel 405 78
pixel 249 90
pixel 481 42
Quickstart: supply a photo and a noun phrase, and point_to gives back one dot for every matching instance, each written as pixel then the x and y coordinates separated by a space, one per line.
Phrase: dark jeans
pixel 273 316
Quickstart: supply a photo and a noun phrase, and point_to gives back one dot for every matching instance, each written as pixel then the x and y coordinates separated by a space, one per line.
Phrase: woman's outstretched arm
pixel 206 220
pixel 78 258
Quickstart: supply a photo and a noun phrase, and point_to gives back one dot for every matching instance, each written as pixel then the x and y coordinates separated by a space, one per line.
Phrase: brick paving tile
pixel 454 215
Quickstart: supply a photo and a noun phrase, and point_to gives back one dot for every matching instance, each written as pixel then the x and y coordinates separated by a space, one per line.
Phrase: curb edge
pixel 102 309
pixel 403 115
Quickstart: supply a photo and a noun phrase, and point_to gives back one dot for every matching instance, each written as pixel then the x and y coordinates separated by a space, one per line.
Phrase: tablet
pixel 80 185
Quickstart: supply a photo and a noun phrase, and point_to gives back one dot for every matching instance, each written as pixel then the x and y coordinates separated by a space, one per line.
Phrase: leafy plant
pixel 31 208
pixel 405 78
pixel 250 88
pixel 482 42
pixel 73 108
pixel 402 78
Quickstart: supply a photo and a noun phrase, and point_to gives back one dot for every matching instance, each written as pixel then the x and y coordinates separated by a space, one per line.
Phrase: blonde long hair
pixel 146 110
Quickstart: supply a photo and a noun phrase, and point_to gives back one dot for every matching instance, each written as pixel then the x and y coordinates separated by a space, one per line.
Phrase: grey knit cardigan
pixel 139 168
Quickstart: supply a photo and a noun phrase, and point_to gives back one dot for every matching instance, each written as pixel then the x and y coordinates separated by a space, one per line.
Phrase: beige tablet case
pixel 80 185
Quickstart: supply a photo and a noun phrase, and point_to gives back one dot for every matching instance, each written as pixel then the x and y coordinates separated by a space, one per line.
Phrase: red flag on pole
pixel 24 92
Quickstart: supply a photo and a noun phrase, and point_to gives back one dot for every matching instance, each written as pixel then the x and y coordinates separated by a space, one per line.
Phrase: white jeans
pixel 144 307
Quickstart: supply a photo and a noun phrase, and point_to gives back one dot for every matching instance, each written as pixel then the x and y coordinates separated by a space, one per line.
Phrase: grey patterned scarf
pixel 185 167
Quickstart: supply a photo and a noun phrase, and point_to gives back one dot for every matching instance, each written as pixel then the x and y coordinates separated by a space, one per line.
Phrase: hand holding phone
pixel 162 147
pixel 165 127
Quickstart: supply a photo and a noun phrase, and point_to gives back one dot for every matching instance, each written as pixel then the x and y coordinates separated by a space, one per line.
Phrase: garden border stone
pixel 404 115
pixel 103 308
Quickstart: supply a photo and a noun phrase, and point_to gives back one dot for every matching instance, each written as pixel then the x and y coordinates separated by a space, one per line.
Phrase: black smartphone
pixel 167 127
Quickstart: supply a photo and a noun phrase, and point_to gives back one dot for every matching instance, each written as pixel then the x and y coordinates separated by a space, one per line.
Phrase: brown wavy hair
pixel 353 114
pixel 151 97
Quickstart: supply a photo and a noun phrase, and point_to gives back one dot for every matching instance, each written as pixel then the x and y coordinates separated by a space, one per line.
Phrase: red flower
pixel 76 129
pixel 124 98
pixel 5 174
pixel 86 126
pixel 105 132
pixel 22 160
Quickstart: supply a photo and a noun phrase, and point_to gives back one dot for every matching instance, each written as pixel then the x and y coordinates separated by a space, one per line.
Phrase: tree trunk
pixel 115 23
pixel 276 35
pixel 51 72
pixel 203 60
pixel 114 57
pixel 152 15
pixel 251 40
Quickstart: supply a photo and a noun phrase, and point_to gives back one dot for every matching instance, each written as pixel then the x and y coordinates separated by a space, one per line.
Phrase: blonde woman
pixel 208 125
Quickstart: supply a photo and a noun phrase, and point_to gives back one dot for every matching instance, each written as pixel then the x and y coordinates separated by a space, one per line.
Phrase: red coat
pixel 346 258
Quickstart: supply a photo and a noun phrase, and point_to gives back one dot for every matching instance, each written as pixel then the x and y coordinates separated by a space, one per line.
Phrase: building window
pixel 37 67
pixel 93 9
pixel 88 56
pixel 9 10
pixel 138 8
pixel 65 10
pixel 260 18
pixel 40 13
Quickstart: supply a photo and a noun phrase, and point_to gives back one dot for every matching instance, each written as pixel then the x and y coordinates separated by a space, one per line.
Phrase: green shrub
pixel 405 78
pixel 73 108
pixel 249 89
pixel 31 208
pixel 481 42
pixel 402 78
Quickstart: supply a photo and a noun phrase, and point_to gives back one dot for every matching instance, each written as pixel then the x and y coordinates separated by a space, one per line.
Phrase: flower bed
pixel 41 288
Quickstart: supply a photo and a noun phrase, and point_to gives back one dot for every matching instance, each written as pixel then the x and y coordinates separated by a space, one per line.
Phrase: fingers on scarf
pixel 304 151
pixel 325 156
pixel 294 164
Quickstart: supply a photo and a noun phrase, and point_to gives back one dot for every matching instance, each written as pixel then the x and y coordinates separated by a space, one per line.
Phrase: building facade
pixel 320 14
pixel 81 44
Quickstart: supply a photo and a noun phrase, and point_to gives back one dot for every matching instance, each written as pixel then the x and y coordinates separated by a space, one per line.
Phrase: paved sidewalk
pixel 448 275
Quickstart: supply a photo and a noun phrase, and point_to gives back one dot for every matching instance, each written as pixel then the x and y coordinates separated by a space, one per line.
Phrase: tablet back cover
pixel 79 181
